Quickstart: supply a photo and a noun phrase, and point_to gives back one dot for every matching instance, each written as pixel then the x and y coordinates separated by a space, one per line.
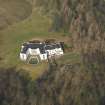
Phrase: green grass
pixel 12 11
pixel 70 57
pixel 36 26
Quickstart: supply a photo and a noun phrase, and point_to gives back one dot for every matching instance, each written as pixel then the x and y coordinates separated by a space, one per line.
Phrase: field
pixel 34 27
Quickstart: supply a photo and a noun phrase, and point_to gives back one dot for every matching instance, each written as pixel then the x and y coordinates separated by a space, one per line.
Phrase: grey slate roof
pixel 42 46
pixel 53 46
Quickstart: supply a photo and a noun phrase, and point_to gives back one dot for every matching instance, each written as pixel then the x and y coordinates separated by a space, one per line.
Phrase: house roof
pixel 33 46
pixel 52 46
pixel 42 47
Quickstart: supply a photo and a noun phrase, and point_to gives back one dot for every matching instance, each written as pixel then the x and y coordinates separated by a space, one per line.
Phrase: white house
pixel 40 51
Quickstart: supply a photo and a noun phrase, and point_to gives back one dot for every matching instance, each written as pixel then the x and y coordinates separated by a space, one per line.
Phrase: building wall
pixel 57 51
pixel 43 56
pixel 23 57
pixel 33 51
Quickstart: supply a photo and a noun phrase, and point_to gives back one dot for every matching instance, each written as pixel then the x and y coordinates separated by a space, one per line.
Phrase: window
pixel 44 57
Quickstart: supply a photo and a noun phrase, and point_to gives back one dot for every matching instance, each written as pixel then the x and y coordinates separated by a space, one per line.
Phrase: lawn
pixel 70 57
pixel 34 27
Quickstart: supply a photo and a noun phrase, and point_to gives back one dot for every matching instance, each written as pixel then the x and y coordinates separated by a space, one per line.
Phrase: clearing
pixel 34 27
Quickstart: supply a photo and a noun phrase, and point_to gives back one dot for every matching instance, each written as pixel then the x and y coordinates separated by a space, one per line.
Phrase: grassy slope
pixel 10 15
